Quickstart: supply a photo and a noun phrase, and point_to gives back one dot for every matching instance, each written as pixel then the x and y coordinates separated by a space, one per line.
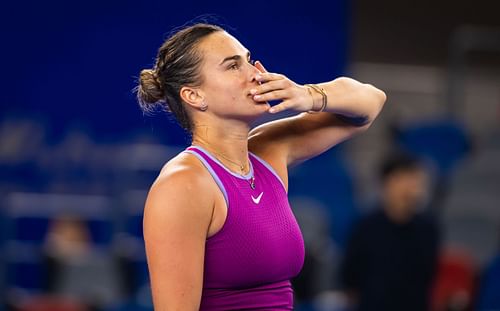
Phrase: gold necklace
pixel 240 166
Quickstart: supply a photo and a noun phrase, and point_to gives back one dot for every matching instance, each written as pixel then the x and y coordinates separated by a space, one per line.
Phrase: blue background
pixel 78 61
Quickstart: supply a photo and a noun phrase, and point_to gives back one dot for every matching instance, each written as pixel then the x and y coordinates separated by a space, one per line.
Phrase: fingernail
pixel 253 91
pixel 258 76
pixel 272 110
pixel 257 97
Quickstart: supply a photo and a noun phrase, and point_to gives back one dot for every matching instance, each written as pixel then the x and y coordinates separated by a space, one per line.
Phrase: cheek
pixel 229 89
pixel 226 89
pixel 224 85
pixel 215 89
pixel 224 95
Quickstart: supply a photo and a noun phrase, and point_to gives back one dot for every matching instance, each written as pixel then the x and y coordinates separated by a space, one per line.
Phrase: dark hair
pixel 398 161
pixel 177 65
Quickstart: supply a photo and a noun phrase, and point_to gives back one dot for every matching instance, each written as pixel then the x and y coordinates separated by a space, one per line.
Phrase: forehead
pixel 220 45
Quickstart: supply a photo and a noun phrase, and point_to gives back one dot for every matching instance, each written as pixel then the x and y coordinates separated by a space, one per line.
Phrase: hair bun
pixel 149 90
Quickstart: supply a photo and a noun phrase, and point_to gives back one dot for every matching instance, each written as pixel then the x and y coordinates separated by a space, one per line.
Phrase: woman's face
pixel 228 77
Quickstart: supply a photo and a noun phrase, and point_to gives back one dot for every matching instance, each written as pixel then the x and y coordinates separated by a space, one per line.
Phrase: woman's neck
pixel 228 144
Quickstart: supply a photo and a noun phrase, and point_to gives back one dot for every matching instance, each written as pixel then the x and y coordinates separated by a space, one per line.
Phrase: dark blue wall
pixel 78 61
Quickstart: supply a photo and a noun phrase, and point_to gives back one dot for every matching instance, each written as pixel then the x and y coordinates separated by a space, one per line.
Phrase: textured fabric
pixel 250 261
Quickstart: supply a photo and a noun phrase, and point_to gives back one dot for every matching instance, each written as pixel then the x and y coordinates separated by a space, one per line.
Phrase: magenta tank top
pixel 250 261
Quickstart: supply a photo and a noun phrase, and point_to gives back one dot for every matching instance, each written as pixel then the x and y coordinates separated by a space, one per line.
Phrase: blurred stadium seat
pixel 489 291
pixel 28 217
pixel 455 282
pixel 328 180
pixel 442 141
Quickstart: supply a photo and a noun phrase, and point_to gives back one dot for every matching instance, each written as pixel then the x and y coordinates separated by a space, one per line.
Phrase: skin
pixel 176 222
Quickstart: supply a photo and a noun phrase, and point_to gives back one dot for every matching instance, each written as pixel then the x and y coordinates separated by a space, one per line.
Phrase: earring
pixel 204 107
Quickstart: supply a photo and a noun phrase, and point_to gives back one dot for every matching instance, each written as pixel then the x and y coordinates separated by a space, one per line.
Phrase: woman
pixel 218 228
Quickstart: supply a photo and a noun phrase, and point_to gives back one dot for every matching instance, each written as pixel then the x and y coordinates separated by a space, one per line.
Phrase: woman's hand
pixel 278 87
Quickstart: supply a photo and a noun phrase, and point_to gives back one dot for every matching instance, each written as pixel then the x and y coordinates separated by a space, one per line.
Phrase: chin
pixel 260 109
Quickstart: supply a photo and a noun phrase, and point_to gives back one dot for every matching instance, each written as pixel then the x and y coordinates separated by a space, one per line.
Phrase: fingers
pixel 284 105
pixel 259 66
pixel 265 75
pixel 269 96
pixel 270 86
pixel 268 76
pixel 274 87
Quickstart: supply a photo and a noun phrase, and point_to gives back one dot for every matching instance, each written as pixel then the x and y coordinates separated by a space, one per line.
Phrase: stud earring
pixel 204 107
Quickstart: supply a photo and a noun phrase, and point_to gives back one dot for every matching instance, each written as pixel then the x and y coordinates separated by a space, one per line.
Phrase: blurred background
pixel 412 205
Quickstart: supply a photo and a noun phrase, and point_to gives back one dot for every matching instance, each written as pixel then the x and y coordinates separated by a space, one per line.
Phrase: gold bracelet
pixel 320 90
pixel 310 93
pixel 323 96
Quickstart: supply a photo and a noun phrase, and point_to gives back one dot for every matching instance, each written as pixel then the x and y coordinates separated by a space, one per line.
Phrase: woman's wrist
pixel 319 98
pixel 313 98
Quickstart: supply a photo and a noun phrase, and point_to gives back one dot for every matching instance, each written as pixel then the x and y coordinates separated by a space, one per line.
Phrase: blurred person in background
pixel 78 270
pixel 391 257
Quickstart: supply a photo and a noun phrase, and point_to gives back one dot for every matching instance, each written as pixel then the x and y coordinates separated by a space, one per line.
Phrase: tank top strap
pixel 261 164
pixel 215 170
pixel 215 163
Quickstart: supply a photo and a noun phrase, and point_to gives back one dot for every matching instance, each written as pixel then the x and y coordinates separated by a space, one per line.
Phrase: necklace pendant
pixel 252 183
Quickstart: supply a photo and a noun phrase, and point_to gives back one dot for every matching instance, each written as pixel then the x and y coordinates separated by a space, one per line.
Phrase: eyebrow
pixel 234 57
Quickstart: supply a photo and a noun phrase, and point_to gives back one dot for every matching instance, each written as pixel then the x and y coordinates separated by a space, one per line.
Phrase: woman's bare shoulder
pixel 181 183
pixel 182 164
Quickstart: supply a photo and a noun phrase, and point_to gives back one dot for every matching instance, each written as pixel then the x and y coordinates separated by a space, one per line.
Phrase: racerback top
pixel 250 261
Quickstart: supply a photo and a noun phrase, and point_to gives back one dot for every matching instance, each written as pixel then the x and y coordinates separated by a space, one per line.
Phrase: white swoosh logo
pixel 257 199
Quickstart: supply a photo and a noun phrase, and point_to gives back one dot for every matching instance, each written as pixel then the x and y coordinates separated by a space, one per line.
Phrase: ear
pixel 192 96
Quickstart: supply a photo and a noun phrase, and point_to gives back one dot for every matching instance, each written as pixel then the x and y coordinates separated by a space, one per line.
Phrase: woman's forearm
pixel 353 101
